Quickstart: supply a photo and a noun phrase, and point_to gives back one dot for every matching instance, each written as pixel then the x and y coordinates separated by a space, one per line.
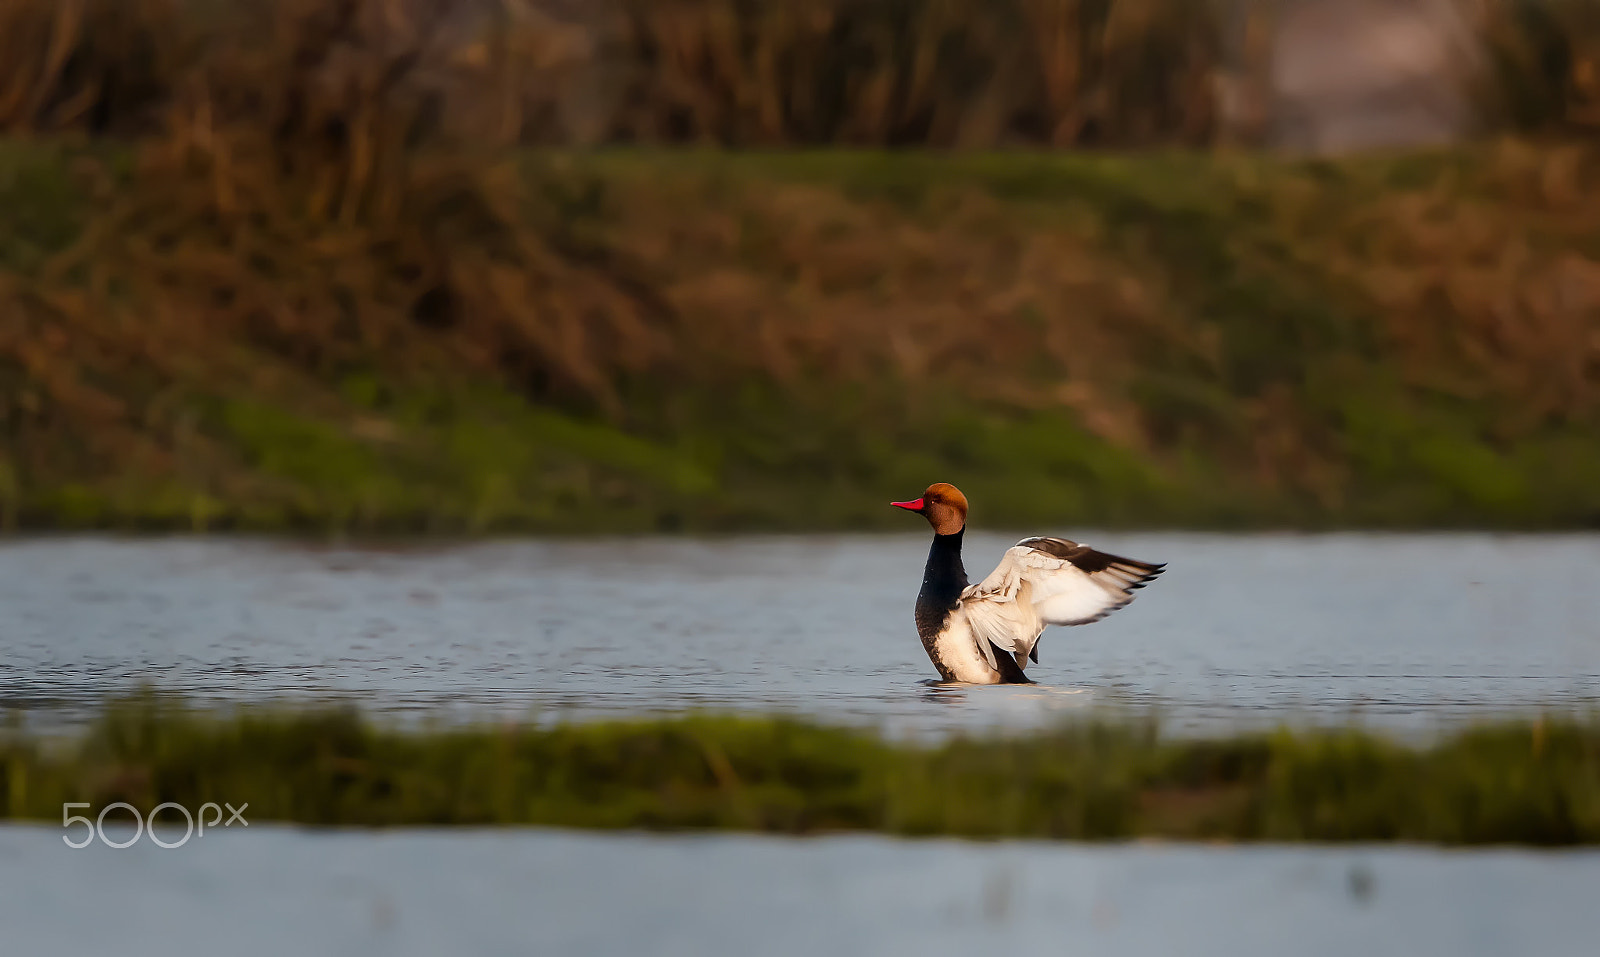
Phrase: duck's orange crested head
pixel 942 505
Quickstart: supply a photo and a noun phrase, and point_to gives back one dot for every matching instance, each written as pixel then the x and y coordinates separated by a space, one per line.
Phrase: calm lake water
pixel 1400 631
pixel 280 891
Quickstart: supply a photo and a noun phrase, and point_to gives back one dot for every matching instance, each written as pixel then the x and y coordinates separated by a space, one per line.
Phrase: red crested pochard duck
pixel 988 632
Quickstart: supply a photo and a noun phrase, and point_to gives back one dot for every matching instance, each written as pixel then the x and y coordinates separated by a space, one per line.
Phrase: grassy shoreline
pixel 1530 782
pixel 1155 340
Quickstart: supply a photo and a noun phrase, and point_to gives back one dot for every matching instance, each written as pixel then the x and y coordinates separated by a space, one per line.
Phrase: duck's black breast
pixel 943 579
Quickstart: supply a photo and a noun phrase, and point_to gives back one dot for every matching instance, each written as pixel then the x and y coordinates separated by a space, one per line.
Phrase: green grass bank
pixel 1512 783
pixel 705 341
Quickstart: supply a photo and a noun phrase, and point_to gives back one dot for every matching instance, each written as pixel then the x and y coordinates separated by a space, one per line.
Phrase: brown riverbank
pixel 283 293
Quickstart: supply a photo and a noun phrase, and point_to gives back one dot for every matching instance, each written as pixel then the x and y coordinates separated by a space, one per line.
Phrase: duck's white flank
pixel 957 648
pixel 1039 582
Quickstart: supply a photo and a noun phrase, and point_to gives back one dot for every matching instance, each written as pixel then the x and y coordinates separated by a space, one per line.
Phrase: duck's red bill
pixel 909 506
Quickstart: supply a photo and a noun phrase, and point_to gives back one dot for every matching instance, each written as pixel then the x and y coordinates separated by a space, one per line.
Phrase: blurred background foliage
pixel 434 265
pixel 976 74
pixel 738 73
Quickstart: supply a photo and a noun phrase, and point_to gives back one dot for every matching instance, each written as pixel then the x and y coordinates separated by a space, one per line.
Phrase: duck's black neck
pixel 942 581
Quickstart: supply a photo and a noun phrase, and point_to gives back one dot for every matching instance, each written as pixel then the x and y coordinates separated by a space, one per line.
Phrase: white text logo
pixel 96 827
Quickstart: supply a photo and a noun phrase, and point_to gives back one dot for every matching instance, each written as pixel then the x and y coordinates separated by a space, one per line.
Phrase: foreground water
pixel 1404 631
pixel 276 891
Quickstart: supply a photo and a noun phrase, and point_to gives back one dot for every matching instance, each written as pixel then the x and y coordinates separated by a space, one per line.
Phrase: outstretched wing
pixel 1049 581
pixel 1073 584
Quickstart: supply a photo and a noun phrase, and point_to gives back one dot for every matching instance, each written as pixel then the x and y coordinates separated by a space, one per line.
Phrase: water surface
pixel 276 891
pixel 1405 631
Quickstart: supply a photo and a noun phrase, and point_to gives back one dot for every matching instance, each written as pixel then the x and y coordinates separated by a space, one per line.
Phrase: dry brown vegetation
pixel 935 73
pixel 1545 64
pixel 92 65
pixel 299 198
pixel 1486 281
pixel 731 72
pixel 802 283
pixel 911 73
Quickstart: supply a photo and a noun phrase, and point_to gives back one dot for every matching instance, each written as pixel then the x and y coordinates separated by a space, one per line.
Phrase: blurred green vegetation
pixel 1530 782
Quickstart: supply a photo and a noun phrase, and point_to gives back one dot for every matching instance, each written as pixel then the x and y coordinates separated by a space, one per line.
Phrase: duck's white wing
pixel 1048 581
